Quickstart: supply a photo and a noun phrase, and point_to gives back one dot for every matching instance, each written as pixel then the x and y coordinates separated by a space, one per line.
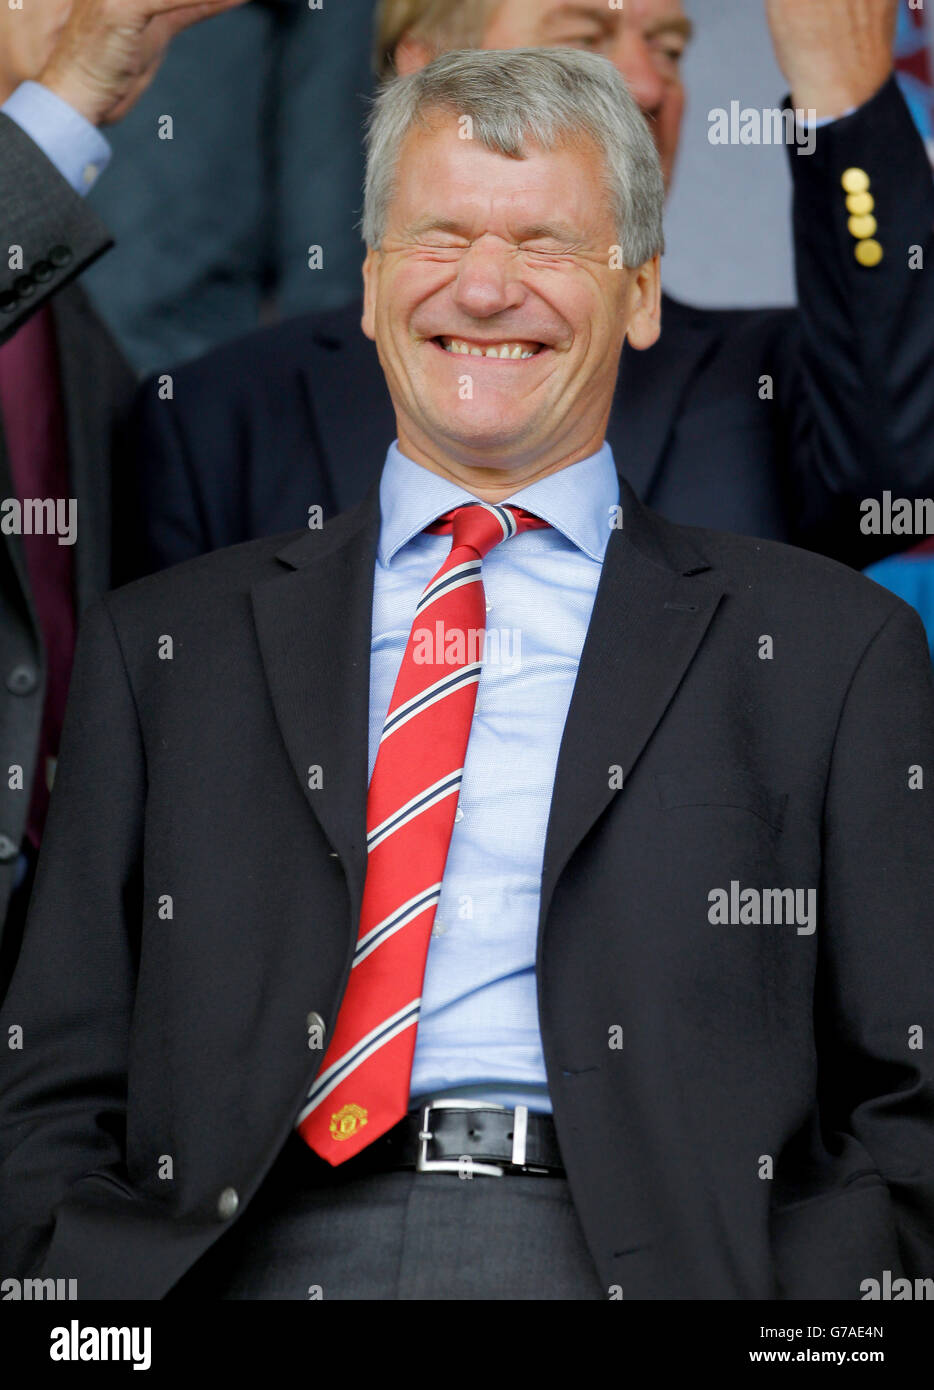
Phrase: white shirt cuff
pixel 76 148
pixel 822 120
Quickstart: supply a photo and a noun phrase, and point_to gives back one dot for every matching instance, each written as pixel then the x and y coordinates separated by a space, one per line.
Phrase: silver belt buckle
pixel 424 1164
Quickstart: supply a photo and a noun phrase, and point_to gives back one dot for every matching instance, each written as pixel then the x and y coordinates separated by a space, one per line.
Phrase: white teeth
pixel 504 352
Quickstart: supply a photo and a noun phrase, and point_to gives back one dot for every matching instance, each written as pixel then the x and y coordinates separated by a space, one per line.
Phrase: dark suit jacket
pixel 773 423
pixel 58 233
pixel 59 236
pixel 184 781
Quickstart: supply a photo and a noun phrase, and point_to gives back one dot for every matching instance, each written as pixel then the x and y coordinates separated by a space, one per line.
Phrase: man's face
pixel 644 40
pixel 483 253
pixel 27 37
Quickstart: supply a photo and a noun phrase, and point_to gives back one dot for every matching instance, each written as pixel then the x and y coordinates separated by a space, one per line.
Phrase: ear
pixel 370 281
pixel 645 315
pixel 411 54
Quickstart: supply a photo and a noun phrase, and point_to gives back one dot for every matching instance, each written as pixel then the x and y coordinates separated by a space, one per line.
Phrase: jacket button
pixel 855 181
pixel 42 271
pixel 7 301
pixel 227 1203
pixel 868 252
pixel 8 849
pixel 859 204
pixel 22 680
pixel 60 255
pixel 24 285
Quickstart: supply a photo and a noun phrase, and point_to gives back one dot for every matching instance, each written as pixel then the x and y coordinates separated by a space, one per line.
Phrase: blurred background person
pixel 236 180
pixel 64 387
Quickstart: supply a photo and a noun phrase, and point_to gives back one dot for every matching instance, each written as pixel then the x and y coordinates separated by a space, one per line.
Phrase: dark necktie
pixel 33 421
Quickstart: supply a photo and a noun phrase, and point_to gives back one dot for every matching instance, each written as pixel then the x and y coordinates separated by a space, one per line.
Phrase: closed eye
pixel 543 250
pixel 442 244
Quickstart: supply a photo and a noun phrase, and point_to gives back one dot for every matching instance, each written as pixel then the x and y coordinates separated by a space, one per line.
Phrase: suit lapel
pixel 649 391
pixel 314 623
pixel 654 603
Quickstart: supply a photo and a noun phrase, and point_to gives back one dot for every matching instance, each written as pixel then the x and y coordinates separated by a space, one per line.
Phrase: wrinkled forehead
pixel 445 182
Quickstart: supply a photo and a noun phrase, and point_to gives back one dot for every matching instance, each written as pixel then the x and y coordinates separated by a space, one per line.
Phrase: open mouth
pixel 512 350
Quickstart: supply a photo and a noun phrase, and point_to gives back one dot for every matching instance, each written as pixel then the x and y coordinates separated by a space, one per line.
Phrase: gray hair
pixel 539 95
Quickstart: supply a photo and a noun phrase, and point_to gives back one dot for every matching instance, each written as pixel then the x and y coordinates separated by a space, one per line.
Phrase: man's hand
pixel 109 50
pixel 835 54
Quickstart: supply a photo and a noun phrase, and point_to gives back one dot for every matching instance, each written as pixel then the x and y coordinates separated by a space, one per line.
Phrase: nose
pixel 488 279
pixel 633 57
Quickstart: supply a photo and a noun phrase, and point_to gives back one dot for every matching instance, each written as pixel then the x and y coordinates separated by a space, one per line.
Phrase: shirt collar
pixel 578 501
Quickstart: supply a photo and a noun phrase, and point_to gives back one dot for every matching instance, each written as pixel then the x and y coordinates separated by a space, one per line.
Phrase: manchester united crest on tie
pixel 346 1121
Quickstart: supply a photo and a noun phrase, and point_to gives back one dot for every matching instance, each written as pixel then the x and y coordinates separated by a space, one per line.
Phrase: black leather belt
pixel 463 1137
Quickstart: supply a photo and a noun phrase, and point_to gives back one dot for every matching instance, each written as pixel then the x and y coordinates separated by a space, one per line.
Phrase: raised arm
pixel 857 383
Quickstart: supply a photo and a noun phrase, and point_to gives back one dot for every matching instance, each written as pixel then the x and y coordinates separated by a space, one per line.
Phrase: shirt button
pixel 227 1203
pixel 489 606
pixel 314 1020
pixel 458 814
pixel 438 929
pixel 22 680
pixel 8 849
pixel 89 173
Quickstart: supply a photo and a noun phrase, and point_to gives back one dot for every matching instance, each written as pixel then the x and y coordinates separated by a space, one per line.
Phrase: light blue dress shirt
pixel 478 1033
pixel 76 148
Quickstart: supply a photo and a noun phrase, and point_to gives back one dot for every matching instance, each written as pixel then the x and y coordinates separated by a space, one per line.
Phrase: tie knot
pixel 482 525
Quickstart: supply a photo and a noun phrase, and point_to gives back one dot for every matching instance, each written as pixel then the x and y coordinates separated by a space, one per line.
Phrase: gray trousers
pixel 398 1235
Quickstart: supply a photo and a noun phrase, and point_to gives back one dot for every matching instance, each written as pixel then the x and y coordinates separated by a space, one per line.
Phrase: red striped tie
pixel 362 1089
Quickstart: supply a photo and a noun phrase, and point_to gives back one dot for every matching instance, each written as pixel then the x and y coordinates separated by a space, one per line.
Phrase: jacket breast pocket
pixel 721 787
